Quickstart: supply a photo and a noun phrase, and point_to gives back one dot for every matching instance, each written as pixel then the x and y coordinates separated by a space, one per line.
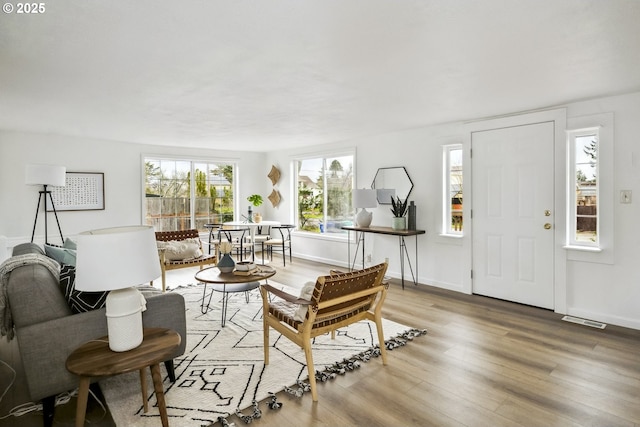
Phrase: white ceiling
pixel 272 74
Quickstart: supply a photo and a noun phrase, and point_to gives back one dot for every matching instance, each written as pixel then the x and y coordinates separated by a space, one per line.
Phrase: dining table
pixel 253 226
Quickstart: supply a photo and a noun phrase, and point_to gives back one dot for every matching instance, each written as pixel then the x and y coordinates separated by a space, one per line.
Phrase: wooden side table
pixel 95 359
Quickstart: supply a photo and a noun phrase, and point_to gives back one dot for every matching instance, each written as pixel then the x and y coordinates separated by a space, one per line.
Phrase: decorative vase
pixel 257 217
pixel 399 223
pixel 412 216
pixel 226 264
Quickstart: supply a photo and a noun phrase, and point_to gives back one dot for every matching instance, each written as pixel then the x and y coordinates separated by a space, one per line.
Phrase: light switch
pixel 625 196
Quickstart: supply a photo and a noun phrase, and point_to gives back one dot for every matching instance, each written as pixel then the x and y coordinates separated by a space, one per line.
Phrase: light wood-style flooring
pixel 484 362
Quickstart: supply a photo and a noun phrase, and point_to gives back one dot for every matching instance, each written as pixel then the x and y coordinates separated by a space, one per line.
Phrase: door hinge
pixel 472 274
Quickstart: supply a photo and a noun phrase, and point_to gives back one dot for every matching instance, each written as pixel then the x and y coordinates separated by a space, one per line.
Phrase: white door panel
pixel 512 179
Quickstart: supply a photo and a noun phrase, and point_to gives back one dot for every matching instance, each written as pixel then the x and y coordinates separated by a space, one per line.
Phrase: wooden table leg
pixel 157 385
pixel 83 396
pixel 143 385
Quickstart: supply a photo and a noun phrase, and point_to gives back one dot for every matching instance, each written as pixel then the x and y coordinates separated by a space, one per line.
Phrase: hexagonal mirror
pixel 392 182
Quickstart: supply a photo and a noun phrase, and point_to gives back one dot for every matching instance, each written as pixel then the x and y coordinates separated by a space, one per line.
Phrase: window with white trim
pixel 183 194
pixel 584 190
pixel 452 189
pixel 324 186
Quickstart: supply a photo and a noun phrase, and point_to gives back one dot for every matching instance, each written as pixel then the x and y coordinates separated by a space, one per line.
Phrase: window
pixel 184 194
pixel 583 209
pixel 452 190
pixel 324 187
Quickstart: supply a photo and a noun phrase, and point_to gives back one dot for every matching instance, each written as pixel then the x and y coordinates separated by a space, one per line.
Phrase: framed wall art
pixel 83 191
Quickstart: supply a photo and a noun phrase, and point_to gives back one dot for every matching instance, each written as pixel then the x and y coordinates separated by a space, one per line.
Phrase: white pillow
pixel 305 293
pixel 181 250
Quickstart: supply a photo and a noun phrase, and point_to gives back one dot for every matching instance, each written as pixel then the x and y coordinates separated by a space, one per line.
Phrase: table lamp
pixel 45 175
pixel 117 259
pixel 364 199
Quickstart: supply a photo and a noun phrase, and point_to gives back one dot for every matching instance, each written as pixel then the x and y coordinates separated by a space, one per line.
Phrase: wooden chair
pixel 338 300
pixel 165 264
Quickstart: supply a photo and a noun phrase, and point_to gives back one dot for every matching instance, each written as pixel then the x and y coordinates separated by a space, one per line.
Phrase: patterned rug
pixel 223 369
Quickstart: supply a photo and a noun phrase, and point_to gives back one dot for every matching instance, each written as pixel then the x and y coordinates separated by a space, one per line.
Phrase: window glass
pixel 184 194
pixel 324 188
pixel 584 209
pixel 453 190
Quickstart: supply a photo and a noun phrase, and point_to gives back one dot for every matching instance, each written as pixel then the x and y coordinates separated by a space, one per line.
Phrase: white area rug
pixel 223 368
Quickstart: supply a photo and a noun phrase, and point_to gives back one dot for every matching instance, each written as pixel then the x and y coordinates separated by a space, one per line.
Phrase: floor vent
pixel 585 322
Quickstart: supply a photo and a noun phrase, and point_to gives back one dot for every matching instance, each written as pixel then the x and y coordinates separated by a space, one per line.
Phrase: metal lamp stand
pixel 43 194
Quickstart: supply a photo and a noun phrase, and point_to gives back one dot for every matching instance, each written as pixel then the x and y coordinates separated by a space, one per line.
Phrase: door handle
pixel 547 226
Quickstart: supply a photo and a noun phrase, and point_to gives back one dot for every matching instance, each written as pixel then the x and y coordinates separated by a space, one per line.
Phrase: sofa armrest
pixel 44 347
pixel 167 311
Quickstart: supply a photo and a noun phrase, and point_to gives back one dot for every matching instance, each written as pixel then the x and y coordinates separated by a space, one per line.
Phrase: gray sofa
pixel 47 331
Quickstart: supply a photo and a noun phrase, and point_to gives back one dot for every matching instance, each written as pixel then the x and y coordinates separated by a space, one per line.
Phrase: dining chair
pixel 236 236
pixel 214 236
pixel 262 234
pixel 281 243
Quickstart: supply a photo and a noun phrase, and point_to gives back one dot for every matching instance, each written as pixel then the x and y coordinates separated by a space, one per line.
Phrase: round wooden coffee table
pixel 95 359
pixel 230 283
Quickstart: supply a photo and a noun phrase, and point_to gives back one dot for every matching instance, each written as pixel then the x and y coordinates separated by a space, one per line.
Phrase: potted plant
pixel 256 200
pixel 399 209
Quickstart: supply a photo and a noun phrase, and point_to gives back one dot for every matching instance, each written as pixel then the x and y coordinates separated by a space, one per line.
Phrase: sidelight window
pixel 583 194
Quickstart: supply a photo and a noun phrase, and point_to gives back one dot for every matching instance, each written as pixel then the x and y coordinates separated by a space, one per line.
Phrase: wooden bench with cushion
pixel 332 302
pixel 181 249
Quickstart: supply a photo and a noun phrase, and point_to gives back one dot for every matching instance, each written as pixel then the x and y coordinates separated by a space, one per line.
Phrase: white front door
pixel 513 213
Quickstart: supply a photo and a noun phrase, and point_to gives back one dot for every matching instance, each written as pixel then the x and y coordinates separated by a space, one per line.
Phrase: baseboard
pixel 604 318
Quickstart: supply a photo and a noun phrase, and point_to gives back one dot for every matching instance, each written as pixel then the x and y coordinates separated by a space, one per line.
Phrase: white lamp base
pixel 124 319
pixel 364 217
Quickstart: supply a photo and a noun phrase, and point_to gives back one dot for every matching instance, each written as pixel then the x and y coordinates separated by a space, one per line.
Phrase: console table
pixel 389 231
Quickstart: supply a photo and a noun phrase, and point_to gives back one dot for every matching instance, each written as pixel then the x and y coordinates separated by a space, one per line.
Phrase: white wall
pixel 121 164
pixel 607 292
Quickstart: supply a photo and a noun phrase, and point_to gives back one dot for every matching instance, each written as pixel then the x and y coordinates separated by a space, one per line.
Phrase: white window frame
pixel 572 214
pixel 192 160
pixel 324 155
pixel 604 252
pixel 447 229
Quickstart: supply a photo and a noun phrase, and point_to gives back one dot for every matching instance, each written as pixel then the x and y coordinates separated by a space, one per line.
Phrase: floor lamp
pixel 45 175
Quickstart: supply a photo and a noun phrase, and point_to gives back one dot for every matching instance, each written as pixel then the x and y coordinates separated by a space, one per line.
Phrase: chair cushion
pixel 181 250
pixel 79 301
pixel 305 293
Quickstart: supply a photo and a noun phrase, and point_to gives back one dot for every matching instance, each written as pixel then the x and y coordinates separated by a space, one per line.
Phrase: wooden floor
pixel 484 362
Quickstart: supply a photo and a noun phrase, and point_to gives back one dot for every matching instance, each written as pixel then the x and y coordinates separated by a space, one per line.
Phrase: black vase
pixel 412 216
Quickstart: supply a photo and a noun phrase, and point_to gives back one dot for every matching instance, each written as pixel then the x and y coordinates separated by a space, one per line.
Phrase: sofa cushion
pixel 79 301
pixel 181 250
pixel 62 255
pixel 70 244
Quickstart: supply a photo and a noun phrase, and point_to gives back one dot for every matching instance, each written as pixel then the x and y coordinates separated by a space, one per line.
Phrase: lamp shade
pixel 364 198
pixel 45 175
pixel 116 258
